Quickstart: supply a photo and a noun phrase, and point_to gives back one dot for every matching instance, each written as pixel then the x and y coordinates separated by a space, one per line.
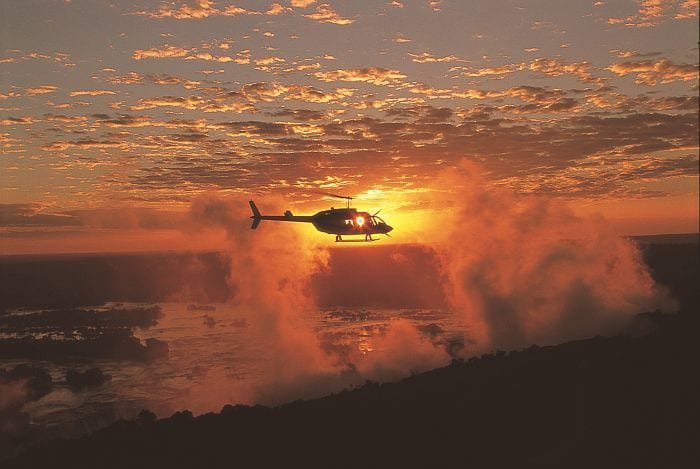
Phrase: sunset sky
pixel 117 114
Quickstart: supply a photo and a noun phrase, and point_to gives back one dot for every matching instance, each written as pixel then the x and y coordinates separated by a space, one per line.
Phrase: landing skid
pixel 355 240
pixel 368 238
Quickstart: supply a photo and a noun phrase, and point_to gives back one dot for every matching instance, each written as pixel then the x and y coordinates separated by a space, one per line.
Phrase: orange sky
pixel 115 116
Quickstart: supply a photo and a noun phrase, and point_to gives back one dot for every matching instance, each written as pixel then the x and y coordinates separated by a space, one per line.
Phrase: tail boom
pixel 258 217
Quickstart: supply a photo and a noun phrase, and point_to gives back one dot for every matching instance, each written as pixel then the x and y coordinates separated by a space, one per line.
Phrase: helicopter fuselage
pixel 337 221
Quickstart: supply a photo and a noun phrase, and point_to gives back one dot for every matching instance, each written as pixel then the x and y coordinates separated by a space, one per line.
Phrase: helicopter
pixel 338 221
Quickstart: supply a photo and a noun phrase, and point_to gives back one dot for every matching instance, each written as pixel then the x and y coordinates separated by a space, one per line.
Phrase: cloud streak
pixel 325 14
pixel 651 73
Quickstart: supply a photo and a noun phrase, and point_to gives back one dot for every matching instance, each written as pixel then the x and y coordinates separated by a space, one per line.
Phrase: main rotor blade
pixel 377 212
pixel 346 197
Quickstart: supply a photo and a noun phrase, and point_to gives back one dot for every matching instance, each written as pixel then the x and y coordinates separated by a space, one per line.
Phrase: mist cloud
pixel 526 269
pixel 517 270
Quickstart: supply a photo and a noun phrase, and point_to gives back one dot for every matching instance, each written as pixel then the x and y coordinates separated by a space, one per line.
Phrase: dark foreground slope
pixel 625 401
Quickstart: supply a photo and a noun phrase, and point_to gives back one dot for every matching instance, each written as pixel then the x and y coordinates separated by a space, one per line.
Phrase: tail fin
pixel 256 215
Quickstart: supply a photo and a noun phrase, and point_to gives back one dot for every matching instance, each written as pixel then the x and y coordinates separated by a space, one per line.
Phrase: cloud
pixel 33 215
pixel 426 57
pixel 325 14
pixel 536 273
pixel 133 78
pixel 374 75
pixel 524 93
pixel 688 9
pixel 188 102
pixel 313 95
pixel 652 73
pixel 422 113
pixel 269 61
pixel 302 3
pixel 628 54
pixel 188 53
pixel 17 121
pixel 9 95
pixel 58 57
pixel 545 66
pixel 64 118
pixel 653 12
pixel 165 51
pixel 196 10
pixel 130 78
pixel 87 143
pixel 401 351
pixel 435 5
pixel 275 9
pixel 91 92
pixel 125 121
pixel 201 9
pixel 488 71
pixel 557 67
pixel 608 99
pixel 280 263
pixel 301 115
pixel 38 90
pixel 245 98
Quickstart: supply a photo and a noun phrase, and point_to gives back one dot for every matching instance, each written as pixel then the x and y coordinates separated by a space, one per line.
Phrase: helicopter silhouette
pixel 338 221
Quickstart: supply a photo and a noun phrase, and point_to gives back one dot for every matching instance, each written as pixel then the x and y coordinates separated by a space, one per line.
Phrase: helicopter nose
pixel 388 228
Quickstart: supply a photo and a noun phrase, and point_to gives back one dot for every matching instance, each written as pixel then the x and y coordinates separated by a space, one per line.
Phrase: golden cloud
pixel 210 57
pixel 197 10
pixel 426 57
pixel 500 70
pixel 557 67
pixel 91 92
pixel 275 9
pixel 374 75
pixel 325 14
pixel 302 3
pixel 166 51
pixel 312 95
pixel 201 9
pixel 652 12
pixel 651 73
pixel 17 121
pixel 85 144
pixel 43 89
pixel 187 102
pixel 64 118
pixel 269 61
